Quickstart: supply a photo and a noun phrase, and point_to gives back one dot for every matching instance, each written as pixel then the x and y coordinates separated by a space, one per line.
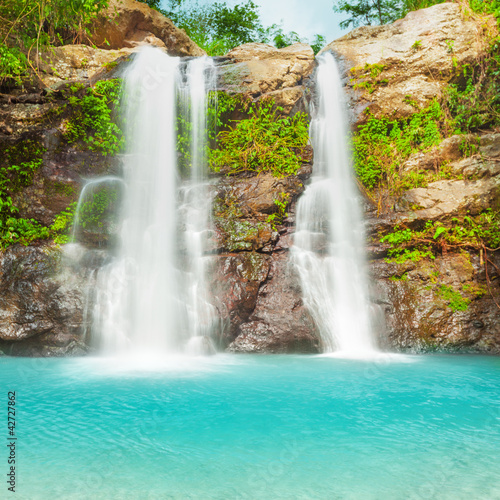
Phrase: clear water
pixel 249 427
pixel 328 246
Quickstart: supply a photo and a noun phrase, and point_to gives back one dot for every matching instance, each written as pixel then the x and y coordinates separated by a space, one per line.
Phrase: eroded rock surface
pixel 259 70
pixel 41 306
pixel 128 23
pixel 418 56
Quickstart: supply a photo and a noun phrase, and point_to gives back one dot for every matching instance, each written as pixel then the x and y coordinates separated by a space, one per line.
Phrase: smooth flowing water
pixel 150 300
pixel 329 242
pixel 258 428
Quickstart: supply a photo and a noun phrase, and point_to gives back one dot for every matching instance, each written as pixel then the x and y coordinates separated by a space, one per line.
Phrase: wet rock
pixel 127 23
pixel 40 304
pixel 235 280
pixel 254 196
pixel 442 305
pixel 237 234
pixel 279 323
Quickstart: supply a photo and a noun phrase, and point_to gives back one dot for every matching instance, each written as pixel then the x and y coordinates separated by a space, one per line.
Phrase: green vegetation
pixel 417 45
pixel 367 77
pixel 218 28
pixel 454 299
pixel 264 141
pixel 468 232
pixel 21 162
pixel 382 145
pixel 281 203
pixel 99 209
pixel 93 118
pixel 28 27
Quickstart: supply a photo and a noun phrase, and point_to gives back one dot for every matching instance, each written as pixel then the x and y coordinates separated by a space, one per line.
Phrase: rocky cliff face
pixel 388 68
pixel 254 287
pixel 390 71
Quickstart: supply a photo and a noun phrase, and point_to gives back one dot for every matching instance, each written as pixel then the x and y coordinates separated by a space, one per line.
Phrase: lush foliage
pixel 21 162
pixel 29 26
pixel 93 118
pixel 281 203
pixel 467 232
pixel 367 12
pixel 382 145
pixel 217 27
pixel 264 141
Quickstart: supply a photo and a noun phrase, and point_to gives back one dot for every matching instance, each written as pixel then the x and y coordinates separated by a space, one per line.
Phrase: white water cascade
pixel 329 241
pixel 150 300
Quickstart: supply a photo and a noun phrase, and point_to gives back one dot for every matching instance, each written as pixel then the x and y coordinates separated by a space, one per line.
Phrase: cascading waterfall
pixel 140 297
pixel 195 208
pixel 329 241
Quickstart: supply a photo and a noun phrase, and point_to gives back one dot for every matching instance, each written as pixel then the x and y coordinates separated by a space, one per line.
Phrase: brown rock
pixel 38 304
pixel 280 322
pixel 254 196
pixel 79 63
pixel 420 318
pixel 234 286
pixel 127 23
pixel 258 69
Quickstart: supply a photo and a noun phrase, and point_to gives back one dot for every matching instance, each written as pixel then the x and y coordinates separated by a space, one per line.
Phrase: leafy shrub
pixel 264 141
pixel 381 145
pixel 93 118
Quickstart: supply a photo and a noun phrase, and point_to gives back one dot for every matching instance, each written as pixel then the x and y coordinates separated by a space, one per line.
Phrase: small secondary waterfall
pixel 329 241
pixel 151 297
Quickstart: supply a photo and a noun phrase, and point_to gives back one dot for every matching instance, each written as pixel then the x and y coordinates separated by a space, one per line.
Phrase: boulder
pixel 258 69
pixel 79 63
pixel 128 23
pixel 388 68
pixel 279 323
pixel 235 280
pixel 41 306
pixel 253 196
pixel 421 317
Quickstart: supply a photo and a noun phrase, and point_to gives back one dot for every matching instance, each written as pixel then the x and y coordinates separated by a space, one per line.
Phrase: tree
pixel 218 28
pixel 367 12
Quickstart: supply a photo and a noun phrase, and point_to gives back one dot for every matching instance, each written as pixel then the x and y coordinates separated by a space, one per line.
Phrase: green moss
pixel 454 299
pixel 475 289
pixel 238 234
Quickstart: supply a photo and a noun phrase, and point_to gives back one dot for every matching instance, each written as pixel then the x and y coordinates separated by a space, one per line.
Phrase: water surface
pixel 257 427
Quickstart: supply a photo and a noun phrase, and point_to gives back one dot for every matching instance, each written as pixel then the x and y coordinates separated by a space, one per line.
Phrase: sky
pixel 306 17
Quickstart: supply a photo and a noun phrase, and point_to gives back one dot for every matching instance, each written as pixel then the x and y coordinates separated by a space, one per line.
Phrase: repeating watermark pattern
pixel 11 442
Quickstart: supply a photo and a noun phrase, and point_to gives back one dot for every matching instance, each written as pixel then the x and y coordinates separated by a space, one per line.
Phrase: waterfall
pixel 328 247
pixel 151 299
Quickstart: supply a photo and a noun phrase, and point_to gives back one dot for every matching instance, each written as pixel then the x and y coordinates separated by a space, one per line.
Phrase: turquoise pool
pixel 256 427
